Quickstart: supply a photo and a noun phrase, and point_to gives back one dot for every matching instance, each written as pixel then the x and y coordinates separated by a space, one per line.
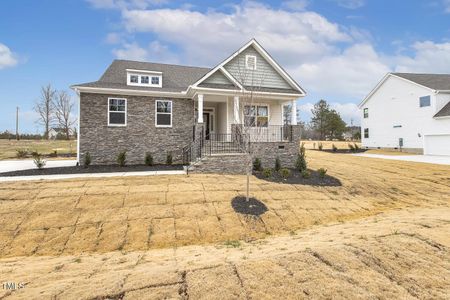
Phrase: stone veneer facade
pixel 140 135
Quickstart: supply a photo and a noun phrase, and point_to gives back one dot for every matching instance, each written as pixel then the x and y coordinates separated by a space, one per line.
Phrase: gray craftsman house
pixel 197 115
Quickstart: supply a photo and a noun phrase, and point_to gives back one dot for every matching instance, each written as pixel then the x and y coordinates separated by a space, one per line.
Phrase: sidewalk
pixel 25 164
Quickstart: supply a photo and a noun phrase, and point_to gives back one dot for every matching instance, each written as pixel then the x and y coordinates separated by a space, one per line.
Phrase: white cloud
pixel 428 57
pixel 155 52
pixel 446 4
pixel 7 57
pixel 113 38
pixel 351 4
pixel 125 4
pixel 348 111
pixel 132 52
pixel 353 73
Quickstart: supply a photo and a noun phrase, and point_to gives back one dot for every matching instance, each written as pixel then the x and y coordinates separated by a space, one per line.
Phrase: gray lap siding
pixel 140 135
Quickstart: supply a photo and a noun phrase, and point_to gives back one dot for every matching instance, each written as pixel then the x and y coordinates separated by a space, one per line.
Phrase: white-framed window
pixel 250 62
pixel 144 78
pixel 366 113
pixel 117 112
pixel 256 115
pixel 155 80
pixel 366 133
pixel 425 101
pixel 163 113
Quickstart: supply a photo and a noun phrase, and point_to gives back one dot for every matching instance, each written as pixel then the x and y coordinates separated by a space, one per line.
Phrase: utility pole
pixel 17 123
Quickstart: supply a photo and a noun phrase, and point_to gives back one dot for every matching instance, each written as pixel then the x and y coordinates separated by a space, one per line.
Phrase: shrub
pixel 34 153
pixel 87 160
pixel 306 174
pixel 148 159
pixel 277 164
pixel 356 147
pixel 300 164
pixel 53 154
pixel 39 161
pixel 122 158
pixel 334 148
pixel 351 147
pixel 320 145
pixel 21 153
pixel 169 158
pixel 257 164
pixel 267 172
pixel 285 173
pixel 322 172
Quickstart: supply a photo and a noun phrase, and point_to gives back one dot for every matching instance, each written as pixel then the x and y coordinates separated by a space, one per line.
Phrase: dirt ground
pixel 383 233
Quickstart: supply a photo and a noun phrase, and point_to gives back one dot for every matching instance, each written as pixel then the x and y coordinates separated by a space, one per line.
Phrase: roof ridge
pixel 165 64
pixel 410 73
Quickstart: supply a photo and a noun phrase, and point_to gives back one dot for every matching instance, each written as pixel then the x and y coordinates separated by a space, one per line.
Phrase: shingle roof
pixel 176 78
pixel 439 82
pixel 444 112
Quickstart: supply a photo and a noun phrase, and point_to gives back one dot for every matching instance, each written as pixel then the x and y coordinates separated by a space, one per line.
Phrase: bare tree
pixel 44 107
pixel 63 105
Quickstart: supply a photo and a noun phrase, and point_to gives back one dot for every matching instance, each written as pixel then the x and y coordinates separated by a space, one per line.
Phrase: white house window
pixel 155 80
pixel 163 114
pixel 145 80
pixel 366 113
pixel 117 112
pixel 366 133
pixel 256 115
pixel 134 78
pixel 250 62
pixel 425 101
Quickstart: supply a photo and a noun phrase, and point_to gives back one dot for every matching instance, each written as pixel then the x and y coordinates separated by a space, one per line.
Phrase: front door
pixel 206 123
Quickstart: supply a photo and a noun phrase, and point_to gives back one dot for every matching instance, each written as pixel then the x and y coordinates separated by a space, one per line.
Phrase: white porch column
pixel 294 112
pixel 236 110
pixel 200 108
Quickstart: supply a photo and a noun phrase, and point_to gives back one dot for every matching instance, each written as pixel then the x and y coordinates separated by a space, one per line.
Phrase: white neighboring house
pixel 408 111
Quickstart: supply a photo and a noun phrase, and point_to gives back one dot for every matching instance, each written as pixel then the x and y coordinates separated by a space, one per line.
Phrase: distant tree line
pixel 327 124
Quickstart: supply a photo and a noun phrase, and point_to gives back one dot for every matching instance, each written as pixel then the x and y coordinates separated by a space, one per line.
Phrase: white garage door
pixel 438 144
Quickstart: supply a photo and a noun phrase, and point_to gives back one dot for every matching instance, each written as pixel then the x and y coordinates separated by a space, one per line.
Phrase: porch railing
pixel 271 133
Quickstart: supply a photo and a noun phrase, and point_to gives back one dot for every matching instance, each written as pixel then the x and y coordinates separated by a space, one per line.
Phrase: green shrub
pixel 169 158
pixel 320 145
pixel 267 172
pixel 334 148
pixel 300 163
pixel 351 147
pixel 322 172
pixel 285 173
pixel 87 160
pixel 21 153
pixel 356 147
pixel 39 161
pixel 257 164
pixel 306 174
pixel 122 158
pixel 148 159
pixel 277 164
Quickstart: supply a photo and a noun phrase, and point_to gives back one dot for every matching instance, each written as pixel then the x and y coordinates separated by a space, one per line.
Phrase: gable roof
pixel 437 82
pixel 444 112
pixel 176 78
pixel 433 82
pixel 296 88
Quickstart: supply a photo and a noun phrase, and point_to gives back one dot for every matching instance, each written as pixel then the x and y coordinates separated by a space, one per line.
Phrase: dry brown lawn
pixel 383 233
pixel 8 148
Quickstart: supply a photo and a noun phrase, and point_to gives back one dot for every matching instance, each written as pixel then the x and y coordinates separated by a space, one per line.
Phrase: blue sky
pixel 336 49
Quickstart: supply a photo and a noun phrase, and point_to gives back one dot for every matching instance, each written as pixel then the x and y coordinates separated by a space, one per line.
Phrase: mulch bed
pixel 91 169
pixel 252 207
pixel 340 150
pixel 296 178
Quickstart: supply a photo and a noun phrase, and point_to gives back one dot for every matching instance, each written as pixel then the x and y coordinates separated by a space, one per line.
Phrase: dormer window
pixel 144 78
pixel 250 62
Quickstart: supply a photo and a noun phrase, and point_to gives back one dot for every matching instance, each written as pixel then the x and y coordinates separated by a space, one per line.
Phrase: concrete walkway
pixel 90 175
pixel 430 159
pixel 25 164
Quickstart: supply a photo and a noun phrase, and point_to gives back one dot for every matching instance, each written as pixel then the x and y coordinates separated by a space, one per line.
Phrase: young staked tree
pixel 45 108
pixel 253 123
pixel 63 106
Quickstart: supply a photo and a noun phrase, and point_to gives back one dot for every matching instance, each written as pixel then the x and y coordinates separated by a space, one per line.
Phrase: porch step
pixel 229 163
